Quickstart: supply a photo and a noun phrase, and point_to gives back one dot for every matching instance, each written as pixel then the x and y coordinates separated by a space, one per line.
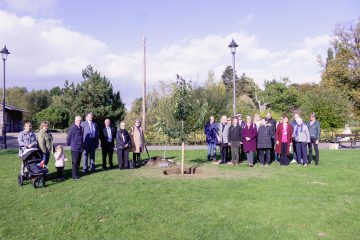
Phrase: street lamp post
pixel 4 52
pixel 233 47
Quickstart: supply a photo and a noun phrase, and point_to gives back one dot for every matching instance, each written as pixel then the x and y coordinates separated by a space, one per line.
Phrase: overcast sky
pixel 53 40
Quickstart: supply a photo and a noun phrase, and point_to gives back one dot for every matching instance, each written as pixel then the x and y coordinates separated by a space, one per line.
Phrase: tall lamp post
pixel 233 47
pixel 4 52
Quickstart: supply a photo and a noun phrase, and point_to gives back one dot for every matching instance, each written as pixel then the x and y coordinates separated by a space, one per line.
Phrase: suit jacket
pixel 74 138
pixel 104 138
pixel 223 135
pixel 86 131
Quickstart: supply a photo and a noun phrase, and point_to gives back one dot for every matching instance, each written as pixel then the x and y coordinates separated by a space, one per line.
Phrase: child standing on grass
pixel 60 162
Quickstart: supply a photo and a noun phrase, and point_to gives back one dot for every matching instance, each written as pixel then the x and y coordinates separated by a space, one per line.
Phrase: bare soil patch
pixel 205 171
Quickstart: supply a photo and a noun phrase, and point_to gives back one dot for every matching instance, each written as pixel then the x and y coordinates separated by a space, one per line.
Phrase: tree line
pixel 336 99
pixel 60 105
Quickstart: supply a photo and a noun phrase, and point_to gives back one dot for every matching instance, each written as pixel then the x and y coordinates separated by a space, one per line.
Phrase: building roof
pixel 12 108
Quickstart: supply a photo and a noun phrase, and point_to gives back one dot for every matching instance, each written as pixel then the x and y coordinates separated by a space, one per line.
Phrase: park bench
pixel 353 138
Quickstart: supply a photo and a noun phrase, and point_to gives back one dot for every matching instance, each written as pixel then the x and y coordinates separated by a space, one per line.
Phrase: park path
pixel 60 138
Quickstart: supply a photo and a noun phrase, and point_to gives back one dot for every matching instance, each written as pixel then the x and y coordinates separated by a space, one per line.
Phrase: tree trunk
pixel 182 157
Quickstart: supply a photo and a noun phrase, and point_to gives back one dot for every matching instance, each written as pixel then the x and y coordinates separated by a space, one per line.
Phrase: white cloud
pixel 44 53
pixel 318 41
pixel 29 6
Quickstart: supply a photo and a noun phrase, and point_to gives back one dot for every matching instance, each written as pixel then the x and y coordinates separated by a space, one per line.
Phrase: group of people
pixel 83 139
pixel 264 138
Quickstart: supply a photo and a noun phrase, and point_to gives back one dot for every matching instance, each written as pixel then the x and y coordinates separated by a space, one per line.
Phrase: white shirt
pixel 92 130
pixel 109 134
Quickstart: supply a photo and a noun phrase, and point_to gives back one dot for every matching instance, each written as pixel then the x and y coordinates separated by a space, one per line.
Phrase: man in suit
pixel 107 143
pixel 90 141
pixel 223 139
pixel 74 140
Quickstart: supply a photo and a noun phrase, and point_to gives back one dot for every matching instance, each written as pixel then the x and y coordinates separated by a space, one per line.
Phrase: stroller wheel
pixel 20 180
pixel 39 182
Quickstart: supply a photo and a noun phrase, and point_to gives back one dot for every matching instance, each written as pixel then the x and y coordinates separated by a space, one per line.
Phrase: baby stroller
pixel 31 169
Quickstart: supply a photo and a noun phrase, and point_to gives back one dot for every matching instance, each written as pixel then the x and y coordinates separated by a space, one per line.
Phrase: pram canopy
pixel 32 153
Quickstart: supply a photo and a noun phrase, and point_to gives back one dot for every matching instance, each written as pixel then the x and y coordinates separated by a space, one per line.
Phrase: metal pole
pixel 234 86
pixel 182 148
pixel 144 90
pixel 4 123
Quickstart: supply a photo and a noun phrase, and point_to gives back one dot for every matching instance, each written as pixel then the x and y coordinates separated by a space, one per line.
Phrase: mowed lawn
pixel 222 202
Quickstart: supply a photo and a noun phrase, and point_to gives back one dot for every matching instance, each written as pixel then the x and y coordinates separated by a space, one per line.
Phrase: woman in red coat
pixel 284 140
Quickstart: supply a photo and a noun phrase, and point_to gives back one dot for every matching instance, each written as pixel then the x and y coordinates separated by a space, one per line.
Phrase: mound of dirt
pixel 177 170
pixel 159 162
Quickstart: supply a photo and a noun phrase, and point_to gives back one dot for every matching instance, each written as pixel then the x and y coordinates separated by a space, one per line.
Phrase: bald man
pixel 74 140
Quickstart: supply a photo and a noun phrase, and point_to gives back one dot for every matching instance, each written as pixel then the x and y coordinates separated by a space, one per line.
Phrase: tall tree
pixel 58 117
pixel 244 85
pixel 227 77
pixel 55 91
pixel 342 71
pixel 280 97
pixel 187 113
pixel 95 93
pixel 215 94
pixel 37 100
pixel 16 96
pixel 331 106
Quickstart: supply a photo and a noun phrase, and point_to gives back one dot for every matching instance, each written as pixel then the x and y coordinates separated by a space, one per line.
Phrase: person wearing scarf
pixel 302 137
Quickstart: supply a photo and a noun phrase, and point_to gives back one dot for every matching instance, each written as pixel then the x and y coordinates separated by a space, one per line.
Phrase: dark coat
pixel 264 136
pixel 74 138
pixel 123 138
pixel 249 132
pixel 272 122
pixel 279 131
pixel 211 131
pixel 314 129
pixel 235 133
pixel 104 138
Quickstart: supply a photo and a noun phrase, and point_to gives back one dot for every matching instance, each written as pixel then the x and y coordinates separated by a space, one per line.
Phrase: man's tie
pixel 91 130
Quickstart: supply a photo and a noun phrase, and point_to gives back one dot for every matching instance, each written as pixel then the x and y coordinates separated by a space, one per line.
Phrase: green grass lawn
pixel 222 202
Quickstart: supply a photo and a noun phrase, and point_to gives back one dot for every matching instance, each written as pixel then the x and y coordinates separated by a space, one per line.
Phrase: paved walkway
pixel 60 138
